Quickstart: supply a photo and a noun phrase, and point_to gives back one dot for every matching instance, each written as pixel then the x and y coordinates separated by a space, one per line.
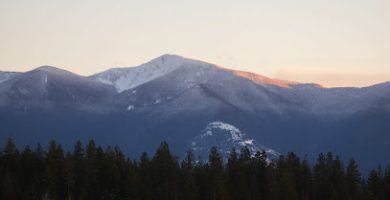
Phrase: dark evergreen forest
pixel 91 172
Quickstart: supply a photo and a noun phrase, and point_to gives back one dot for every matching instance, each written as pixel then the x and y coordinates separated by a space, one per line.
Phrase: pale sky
pixel 330 42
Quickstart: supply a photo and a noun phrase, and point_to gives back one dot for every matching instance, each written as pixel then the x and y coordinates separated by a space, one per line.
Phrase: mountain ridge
pixel 256 77
pixel 172 98
pixel 167 63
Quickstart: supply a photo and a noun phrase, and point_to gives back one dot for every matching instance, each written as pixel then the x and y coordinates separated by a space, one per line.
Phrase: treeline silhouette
pixel 92 172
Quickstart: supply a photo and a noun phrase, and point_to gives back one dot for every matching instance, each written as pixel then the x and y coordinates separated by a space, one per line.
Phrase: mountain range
pixel 193 104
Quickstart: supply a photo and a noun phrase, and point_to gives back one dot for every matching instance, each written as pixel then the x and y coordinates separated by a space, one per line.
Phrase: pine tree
pixel 124 171
pixel 375 187
pixel 79 168
pixel 38 163
pixel 246 176
pixel 233 173
pixel 145 179
pixel 56 172
pixel 92 171
pixel 111 175
pixel 286 172
pixel 202 180
pixel 188 189
pixel 101 173
pixel 386 180
pixel 353 180
pixel 216 173
pixel 164 168
pixel 69 176
pixel 321 177
pixel 338 180
pixel 29 175
pixel 260 173
pixel 9 171
pixel 305 181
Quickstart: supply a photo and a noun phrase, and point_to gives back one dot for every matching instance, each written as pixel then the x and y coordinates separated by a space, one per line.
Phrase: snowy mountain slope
pixel 186 88
pixel 163 83
pixel 172 84
pixel 128 78
pixel 344 100
pixel 131 77
pixel 167 79
pixel 50 87
pixel 225 137
pixel 4 76
pixel 174 99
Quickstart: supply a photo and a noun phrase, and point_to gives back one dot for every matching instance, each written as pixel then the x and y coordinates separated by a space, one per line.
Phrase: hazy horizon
pixel 332 43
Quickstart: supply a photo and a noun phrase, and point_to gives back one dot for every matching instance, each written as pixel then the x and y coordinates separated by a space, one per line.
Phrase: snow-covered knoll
pixel 225 137
pixel 4 76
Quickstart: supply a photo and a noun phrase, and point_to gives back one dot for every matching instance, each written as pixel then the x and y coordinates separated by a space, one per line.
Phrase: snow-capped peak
pixel 130 77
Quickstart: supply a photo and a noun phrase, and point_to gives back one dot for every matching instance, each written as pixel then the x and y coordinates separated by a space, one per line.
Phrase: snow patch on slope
pixel 130 107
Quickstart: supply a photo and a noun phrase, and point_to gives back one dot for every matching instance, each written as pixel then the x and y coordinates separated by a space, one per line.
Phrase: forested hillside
pixel 91 172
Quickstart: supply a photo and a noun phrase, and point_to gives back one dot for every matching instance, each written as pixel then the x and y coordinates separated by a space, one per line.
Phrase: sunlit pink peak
pixel 176 60
pixel 263 79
